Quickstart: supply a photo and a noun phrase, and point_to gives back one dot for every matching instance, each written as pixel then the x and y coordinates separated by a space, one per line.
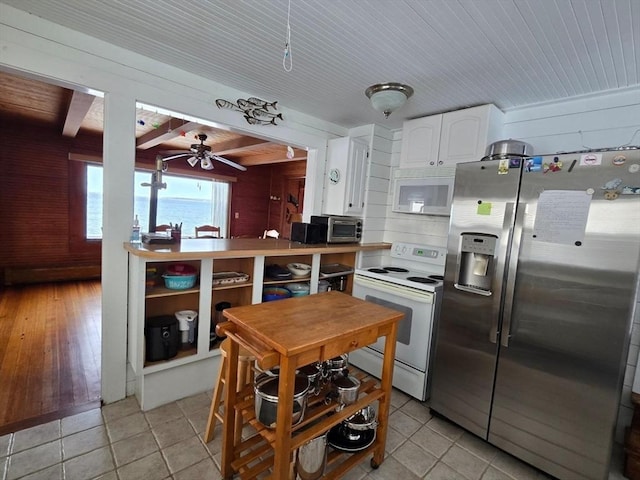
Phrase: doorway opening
pixel 50 307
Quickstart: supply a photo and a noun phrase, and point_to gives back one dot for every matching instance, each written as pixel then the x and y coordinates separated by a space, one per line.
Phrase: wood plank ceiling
pixel 69 111
pixel 454 53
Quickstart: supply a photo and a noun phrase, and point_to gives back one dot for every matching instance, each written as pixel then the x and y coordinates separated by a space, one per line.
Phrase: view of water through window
pixel 187 201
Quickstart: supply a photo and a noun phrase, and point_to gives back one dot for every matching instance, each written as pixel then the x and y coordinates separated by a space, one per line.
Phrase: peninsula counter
pixel 194 367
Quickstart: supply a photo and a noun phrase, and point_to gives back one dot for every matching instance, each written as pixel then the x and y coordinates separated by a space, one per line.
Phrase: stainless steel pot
pixel 508 148
pixel 266 398
pixel 315 375
pixel 363 421
pixel 336 366
pixel 346 389
pixel 311 458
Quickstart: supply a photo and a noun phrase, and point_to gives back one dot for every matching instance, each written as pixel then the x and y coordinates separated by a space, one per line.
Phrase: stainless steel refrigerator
pixel 539 297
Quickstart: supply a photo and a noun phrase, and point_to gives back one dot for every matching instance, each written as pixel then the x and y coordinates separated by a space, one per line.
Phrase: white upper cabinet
pixel 346 179
pixel 466 133
pixel 420 142
pixel 450 138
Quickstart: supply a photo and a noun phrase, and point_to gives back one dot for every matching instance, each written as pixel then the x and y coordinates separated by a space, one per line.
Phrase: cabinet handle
pixel 351 204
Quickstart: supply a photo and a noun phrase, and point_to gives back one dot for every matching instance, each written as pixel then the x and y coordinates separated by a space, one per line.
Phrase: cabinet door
pixel 466 133
pixel 357 177
pixel 420 142
pixel 346 177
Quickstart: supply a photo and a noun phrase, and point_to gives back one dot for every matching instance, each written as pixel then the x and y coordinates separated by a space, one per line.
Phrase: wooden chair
pixel 209 231
pixel 161 228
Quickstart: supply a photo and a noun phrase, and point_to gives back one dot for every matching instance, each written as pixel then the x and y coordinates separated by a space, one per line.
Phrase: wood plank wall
pixel 250 202
pixel 36 186
pixel 34 198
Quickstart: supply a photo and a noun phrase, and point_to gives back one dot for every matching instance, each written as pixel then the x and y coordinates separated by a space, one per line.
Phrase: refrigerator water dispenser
pixel 476 263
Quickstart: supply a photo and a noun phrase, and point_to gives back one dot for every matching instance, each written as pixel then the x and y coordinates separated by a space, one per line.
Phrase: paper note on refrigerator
pixel 562 216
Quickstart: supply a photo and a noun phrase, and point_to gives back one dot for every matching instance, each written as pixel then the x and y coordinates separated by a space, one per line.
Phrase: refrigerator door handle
pixel 506 227
pixel 511 274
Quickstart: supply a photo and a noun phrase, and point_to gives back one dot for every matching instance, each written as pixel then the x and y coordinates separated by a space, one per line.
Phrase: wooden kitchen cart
pixel 293 333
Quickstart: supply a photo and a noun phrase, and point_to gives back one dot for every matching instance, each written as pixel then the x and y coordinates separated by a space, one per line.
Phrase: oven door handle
pixel 392 288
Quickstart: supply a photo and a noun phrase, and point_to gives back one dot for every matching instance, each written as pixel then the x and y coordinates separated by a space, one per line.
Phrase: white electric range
pixel 412 283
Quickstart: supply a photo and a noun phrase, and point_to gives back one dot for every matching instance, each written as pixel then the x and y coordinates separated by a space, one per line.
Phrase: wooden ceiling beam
pixel 78 109
pixel 164 133
pixel 238 145
pixel 277 157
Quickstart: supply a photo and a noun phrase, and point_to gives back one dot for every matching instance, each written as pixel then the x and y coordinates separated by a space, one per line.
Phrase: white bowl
pixel 299 269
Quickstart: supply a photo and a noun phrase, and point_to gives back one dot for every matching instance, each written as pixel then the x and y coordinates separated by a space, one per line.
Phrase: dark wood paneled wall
pixel 286 178
pixel 250 202
pixel 34 197
pixel 39 194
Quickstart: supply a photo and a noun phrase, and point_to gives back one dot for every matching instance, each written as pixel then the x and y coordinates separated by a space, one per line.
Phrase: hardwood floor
pixel 50 340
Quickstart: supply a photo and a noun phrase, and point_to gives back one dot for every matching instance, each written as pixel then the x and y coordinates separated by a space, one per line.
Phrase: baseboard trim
pixel 22 275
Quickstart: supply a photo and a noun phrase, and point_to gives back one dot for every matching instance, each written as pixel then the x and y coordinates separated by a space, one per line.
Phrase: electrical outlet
pixel 237 215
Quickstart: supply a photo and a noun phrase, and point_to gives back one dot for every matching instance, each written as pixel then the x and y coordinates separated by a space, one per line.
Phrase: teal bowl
pixel 270 294
pixel 298 289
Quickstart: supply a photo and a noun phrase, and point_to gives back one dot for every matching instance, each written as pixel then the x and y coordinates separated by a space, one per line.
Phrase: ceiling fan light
pixel 206 163
pixel 388 97
pixel 193 161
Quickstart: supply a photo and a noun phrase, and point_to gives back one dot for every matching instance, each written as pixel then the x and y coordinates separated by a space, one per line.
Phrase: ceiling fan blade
pixel 171 157
pixel 206 163
pixel 193 161
pixel 228 162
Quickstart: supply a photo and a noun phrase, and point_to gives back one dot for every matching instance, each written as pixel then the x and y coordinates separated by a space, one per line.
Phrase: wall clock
pixel 334 176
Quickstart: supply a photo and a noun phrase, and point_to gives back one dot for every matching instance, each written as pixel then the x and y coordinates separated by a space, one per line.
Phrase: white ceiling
pixel 454 53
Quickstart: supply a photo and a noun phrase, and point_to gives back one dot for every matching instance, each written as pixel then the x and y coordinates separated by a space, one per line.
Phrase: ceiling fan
pixel 199 152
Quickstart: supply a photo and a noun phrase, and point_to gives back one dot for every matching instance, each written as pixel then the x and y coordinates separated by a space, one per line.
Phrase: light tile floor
pixel 119 441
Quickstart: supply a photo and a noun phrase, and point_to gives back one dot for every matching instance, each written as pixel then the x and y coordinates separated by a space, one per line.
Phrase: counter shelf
pixel 157 292
pixel 182 353
pixel 335 270
pixel 231 286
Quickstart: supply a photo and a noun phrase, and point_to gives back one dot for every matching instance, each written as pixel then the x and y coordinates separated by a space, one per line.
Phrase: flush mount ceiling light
pixel 388 97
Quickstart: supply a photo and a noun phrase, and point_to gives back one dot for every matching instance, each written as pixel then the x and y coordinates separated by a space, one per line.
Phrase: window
pixel 186 200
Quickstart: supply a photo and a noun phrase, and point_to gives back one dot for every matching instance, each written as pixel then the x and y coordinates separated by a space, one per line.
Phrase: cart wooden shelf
pixel 292 333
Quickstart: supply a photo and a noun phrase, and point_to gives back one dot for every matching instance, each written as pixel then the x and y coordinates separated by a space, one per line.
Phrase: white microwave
pixel 427 196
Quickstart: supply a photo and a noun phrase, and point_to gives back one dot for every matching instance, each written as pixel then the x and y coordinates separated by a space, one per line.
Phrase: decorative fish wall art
pixel 255 110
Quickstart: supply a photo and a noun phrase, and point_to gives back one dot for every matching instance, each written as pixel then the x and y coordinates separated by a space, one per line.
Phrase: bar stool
pixel 245 377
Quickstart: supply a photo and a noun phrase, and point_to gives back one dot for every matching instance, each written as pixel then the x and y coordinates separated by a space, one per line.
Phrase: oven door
pixel 414 330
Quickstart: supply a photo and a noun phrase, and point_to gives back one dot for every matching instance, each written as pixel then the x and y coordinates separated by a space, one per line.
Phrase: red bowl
pixel 181 269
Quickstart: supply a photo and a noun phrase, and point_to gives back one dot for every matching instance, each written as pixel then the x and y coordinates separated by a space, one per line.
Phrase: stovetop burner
pixel 396 269
pixel 419 267
pixel 421 280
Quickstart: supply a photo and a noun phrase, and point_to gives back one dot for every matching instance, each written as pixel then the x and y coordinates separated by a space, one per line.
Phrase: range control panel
pixel 419 253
